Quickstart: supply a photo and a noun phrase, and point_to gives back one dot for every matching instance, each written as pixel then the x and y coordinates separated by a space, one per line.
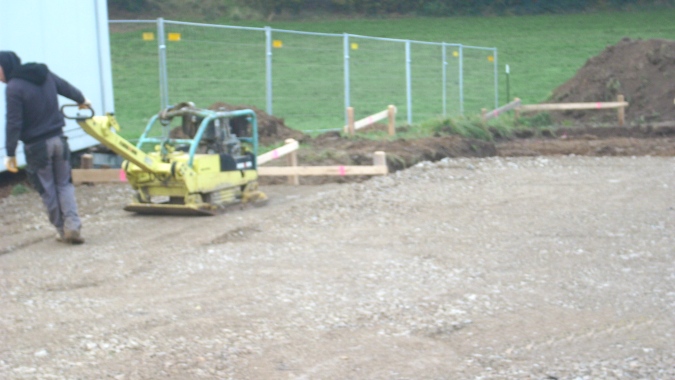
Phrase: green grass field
pixel 542 52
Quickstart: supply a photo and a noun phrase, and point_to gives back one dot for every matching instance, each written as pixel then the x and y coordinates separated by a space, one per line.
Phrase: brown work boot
pixel 73 237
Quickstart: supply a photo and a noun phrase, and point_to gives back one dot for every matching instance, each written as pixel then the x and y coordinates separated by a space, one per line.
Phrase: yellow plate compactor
pixel 208 164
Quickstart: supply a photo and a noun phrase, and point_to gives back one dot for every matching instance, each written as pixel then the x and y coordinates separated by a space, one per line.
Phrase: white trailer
pixel 71 38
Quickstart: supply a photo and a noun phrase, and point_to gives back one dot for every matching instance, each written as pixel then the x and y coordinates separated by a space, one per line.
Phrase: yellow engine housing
pixel 174 181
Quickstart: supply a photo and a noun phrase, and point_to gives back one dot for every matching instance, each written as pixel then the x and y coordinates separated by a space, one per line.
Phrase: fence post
pixel 445 78
pixel 391 119
pixel 346 79
pixel 483 114
pixel 622 111
pixel 461 80
pixel 408 80
pixel 496 78
pixel 293 162
pixel 268 69
pixel 163 76
pixel 350 121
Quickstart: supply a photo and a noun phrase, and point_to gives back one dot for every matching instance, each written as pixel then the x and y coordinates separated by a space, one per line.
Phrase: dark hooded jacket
pixel 32 104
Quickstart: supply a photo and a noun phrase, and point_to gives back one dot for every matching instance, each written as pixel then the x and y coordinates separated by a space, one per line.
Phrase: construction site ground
pixel 542 256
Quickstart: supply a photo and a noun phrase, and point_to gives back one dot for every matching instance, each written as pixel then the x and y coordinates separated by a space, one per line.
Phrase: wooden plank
pixel 97 175
pixel 379 158
pixel 571 106
pixel 279 152
pixel 371 119
pixel 366 121
pixel 505 108
pixel 322 170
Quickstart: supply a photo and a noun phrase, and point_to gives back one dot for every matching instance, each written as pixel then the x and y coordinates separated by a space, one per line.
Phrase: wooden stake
pixel 86 161
pixel 621 111
pixel 350 120
pixel 571 106
pixel 292 161
pixel 483 113
pixel 380 160
pixel 392 120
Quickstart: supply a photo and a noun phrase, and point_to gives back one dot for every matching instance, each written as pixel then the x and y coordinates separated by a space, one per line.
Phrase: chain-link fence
pixel 309 79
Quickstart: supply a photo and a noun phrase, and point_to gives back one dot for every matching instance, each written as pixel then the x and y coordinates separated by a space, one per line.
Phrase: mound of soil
pixel 642 70
pixel 271 129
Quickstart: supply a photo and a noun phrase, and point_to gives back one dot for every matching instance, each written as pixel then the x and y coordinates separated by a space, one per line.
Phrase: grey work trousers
pixel 48 168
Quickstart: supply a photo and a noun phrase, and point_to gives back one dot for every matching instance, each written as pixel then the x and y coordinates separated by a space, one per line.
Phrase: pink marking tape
pixel 598 105
pixel 275 154
pixel 341 170
pixel 123 175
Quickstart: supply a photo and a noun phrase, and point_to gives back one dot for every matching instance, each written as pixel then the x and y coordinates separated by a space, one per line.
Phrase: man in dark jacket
pixel 33 117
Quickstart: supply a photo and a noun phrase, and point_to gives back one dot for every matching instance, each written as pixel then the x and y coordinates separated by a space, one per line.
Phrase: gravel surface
pixel 498 268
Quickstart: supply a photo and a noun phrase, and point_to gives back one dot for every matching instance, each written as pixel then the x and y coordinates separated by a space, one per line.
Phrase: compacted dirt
pixel 547 255
pixel 532 268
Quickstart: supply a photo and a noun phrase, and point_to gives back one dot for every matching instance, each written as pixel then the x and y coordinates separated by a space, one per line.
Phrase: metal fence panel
pixel 377 76
pixel 208 64
pixel 452 89
pixel 306 78
pixel 479 79
pixel 134 50
pixel 427 81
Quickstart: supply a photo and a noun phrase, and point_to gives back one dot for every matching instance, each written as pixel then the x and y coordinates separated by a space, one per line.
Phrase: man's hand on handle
pixel 84 105
pixel 10 164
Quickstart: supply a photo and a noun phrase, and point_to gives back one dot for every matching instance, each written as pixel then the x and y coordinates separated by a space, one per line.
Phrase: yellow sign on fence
pixel 148 36
pixel 174 36
pixel 355 46
pixel 277 44
pixel 455 53
pixel 491 58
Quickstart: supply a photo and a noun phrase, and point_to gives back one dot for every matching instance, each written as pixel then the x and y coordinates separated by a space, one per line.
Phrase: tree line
pixel 414 7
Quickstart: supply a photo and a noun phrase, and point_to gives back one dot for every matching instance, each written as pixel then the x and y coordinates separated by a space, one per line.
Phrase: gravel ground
pixel 499 268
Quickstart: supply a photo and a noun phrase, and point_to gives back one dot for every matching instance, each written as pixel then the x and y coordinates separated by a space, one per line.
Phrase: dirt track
pixel 501 268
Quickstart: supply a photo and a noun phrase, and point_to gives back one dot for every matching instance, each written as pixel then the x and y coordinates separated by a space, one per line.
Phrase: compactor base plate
pixel 169 209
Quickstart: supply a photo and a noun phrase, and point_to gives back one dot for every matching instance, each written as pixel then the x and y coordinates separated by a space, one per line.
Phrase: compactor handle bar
pixel 86 107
